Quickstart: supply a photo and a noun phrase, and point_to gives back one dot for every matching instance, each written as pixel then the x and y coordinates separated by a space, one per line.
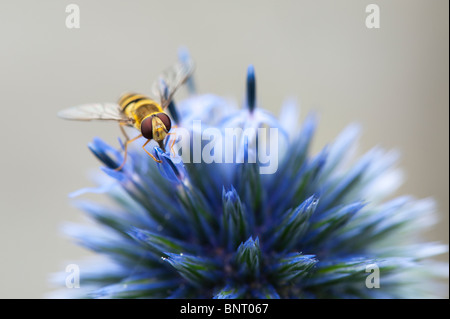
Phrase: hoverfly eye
pixel 165 119
pixel 147 128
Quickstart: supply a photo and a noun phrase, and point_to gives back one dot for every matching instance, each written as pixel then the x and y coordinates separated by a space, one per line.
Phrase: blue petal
pixel 248 258
pixel 291 267
pixel 340 150
pixel 136 288
pixel 292 226
pixel 199 271
pixel 236 223
pixel 171 170
pixel 207 108
pixel 230 292
pixel 266 292
pixel 103 152
pixel 160 242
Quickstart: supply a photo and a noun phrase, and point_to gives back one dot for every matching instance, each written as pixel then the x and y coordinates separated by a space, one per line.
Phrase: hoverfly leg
pixel 173 143
pixel 126 147
pixel 151 155
pixel 121 125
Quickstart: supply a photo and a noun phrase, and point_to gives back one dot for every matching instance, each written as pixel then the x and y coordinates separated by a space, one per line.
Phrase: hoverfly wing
pixel 171 79
pixel 96 111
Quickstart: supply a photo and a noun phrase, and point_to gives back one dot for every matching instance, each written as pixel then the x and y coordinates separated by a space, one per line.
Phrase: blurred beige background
pixel 393 80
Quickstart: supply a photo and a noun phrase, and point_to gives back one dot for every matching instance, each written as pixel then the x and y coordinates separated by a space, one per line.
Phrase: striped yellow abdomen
pixel 138 107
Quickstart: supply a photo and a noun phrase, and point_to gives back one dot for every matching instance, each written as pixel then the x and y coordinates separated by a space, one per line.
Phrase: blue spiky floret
pixel 197 230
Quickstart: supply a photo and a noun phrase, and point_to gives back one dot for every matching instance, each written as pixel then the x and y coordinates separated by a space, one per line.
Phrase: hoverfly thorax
pixel 156 127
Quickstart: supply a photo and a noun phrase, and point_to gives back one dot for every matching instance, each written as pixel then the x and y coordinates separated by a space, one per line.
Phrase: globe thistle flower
pixel 314 228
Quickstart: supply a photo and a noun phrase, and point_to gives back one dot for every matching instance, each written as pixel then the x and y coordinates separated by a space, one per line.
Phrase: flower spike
pixel 251 88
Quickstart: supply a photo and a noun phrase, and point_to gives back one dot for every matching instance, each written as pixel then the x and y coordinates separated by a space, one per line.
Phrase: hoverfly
pixel 137 110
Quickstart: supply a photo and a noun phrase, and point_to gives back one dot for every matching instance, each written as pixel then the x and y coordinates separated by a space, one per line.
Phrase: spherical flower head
pixel 318 226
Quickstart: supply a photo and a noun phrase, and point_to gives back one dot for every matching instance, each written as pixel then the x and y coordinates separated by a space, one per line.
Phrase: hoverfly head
pixel 156 127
